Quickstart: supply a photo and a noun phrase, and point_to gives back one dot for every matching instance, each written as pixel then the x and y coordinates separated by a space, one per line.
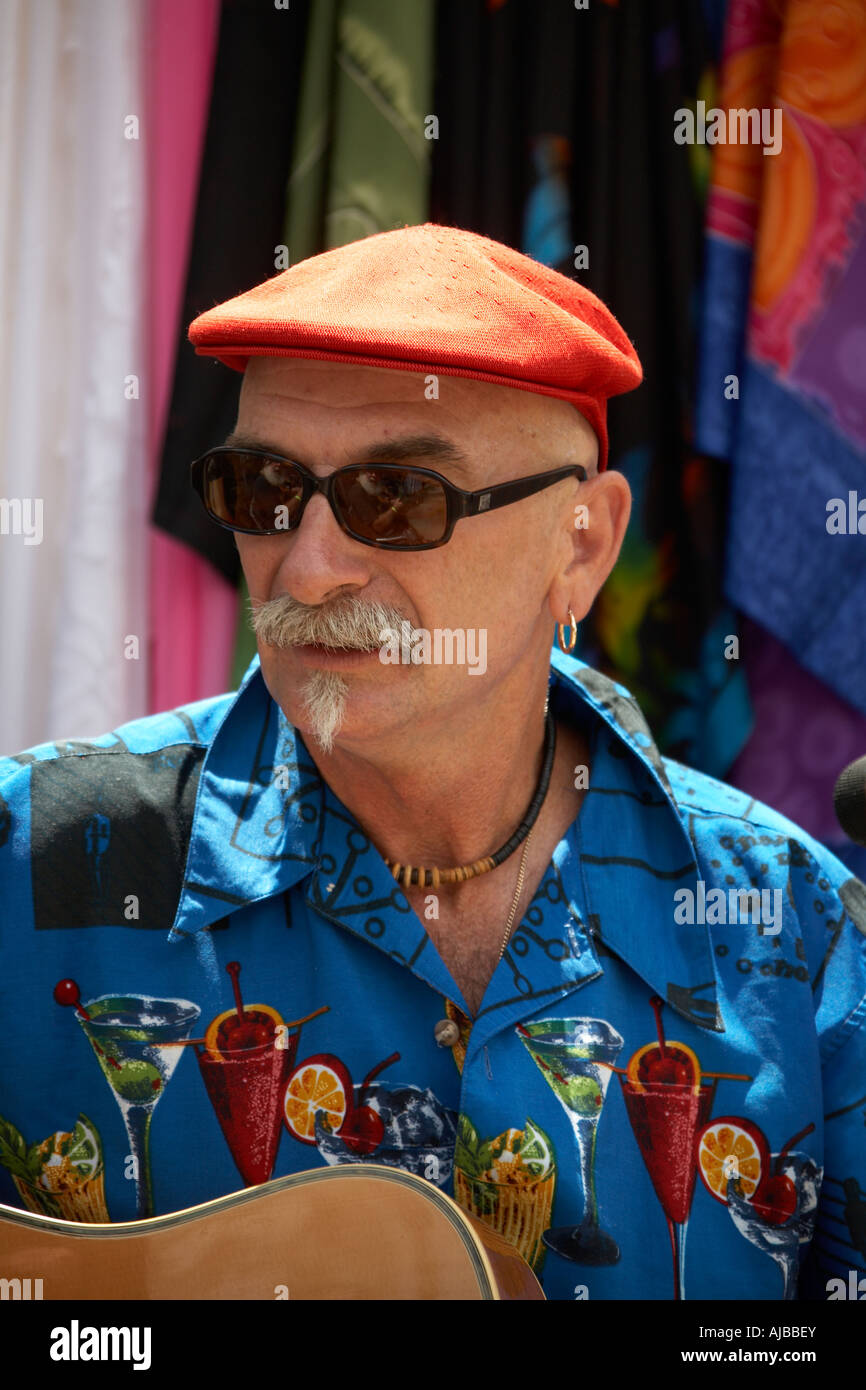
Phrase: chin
pixel 329 713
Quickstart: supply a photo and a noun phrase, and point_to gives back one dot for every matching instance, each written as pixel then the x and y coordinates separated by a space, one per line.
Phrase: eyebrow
pixel 434 447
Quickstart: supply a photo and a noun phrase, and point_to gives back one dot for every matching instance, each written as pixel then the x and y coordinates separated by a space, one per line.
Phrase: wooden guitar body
pixel 362 1232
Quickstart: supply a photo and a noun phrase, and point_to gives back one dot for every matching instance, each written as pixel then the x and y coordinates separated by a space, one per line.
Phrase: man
pixel 604 995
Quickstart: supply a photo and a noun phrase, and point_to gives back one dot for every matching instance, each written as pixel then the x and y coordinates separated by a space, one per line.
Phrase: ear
pixel 595 523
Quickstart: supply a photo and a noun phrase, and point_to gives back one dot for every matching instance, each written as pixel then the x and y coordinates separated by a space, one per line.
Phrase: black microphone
pixel 849 801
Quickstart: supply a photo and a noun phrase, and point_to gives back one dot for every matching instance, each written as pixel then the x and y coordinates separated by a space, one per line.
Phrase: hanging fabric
pixel 192 606
pixel 73 369
pixel 235 243
pixel 558 136
pixel 363 142
pixel 781 391
pixel 784 327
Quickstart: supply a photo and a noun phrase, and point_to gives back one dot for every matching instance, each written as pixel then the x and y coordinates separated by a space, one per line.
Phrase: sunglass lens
pixel 252 493
pixel 395 507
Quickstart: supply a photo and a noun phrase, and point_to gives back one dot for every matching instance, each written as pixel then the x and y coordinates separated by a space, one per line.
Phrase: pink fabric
pixel 193 610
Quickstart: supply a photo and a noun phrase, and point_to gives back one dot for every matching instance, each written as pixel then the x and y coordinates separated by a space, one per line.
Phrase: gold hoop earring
pixel 572 635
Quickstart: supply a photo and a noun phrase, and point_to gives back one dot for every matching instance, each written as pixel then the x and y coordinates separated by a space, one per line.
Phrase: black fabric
pixel 503 76
pixel 609 80
pixel 636 206
pixel 238 222
pixel 641 213
pixel 100 818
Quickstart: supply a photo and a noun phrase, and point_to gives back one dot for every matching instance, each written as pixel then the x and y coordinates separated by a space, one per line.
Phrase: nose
pixel 321 562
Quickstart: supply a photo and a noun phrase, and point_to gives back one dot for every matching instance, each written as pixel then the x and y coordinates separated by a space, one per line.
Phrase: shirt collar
pixel 264 820
pixel 631 865
pixel 257 811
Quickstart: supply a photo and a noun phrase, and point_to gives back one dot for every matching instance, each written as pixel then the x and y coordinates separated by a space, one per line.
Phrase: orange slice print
pixel 319 1083
pixel 732 1147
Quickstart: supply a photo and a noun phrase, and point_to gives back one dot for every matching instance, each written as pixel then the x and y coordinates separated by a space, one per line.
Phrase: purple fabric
pixel 832 367
pixel 804 735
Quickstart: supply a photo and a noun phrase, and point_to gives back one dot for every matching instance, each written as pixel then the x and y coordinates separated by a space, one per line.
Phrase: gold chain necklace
pixel 516 899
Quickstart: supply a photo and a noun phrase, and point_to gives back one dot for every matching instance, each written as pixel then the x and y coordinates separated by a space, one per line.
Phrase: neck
pixel 462 797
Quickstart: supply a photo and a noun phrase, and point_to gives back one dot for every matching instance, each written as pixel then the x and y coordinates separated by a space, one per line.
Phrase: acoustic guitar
pixel 362 1231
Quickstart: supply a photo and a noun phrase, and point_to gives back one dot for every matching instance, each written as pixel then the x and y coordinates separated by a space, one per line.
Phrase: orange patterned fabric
pixel 798 209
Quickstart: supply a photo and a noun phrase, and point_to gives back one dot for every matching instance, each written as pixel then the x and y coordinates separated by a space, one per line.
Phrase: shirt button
pixel 446 1032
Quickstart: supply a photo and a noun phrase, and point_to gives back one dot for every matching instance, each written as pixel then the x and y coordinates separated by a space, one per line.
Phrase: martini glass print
pixel 575 1057
pixel 136 1041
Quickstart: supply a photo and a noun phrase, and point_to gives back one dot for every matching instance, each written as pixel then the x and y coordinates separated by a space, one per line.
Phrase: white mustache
pixel 349 624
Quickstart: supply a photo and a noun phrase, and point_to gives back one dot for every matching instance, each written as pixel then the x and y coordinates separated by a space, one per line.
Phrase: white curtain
pixel 72 227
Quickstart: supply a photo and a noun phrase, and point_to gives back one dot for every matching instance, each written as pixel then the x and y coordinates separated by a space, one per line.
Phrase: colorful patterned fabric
pixel 785 314
pixel 581 1116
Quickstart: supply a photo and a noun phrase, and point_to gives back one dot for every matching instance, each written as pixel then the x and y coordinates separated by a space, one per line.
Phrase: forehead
pixel 297 394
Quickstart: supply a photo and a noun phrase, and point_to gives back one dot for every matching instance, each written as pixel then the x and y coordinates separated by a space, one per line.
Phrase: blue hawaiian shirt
pixel 663 1093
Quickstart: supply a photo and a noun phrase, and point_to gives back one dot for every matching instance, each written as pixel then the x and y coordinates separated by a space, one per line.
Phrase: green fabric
pixel 362 162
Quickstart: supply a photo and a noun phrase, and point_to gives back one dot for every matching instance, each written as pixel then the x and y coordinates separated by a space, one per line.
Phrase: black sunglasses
pixel 382 504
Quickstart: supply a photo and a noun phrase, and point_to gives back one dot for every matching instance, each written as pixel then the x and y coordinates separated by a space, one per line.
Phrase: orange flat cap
pixel 437 300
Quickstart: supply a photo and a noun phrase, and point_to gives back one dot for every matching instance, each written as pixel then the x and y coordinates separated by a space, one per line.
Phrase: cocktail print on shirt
pixel 247 1062
pixel 400 1126
pixel 244 1060
pixel 772 1198
pixel 137 1041
pixel 246 1057
pixel 508 1182
pixel 62 1176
